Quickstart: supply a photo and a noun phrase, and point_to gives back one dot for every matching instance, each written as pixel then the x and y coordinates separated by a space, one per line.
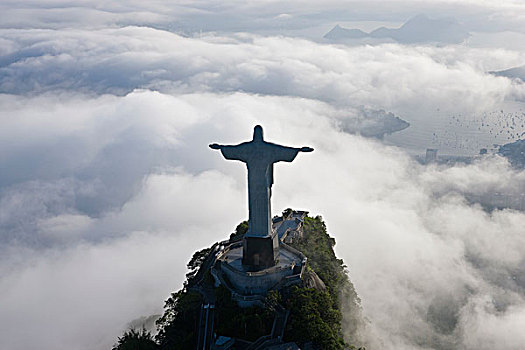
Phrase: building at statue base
pixel 248 287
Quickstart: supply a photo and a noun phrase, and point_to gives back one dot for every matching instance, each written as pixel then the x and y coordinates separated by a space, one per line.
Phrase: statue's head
pixel 258 133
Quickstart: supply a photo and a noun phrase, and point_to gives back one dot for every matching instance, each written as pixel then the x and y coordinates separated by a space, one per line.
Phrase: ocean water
pixel 461 134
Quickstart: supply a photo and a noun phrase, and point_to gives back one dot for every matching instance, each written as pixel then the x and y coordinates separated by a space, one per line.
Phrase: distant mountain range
pixel 419 29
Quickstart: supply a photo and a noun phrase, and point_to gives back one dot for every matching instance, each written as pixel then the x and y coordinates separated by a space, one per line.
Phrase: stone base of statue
pixel 260 252
pixel 248 285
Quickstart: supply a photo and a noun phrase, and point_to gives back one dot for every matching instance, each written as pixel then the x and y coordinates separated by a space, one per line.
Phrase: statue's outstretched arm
pixel 287 154
pixel 232 152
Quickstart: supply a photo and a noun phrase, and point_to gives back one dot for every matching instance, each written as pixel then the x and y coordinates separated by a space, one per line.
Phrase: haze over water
pixel 460 134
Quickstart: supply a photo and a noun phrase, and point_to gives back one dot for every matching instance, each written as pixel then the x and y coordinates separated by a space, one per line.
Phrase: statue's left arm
pixel 288 154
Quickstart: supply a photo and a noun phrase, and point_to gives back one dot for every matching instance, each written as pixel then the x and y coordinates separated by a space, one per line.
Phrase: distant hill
pixel 418 29
pixel 513 73
pixel 515 153
pixel 373 123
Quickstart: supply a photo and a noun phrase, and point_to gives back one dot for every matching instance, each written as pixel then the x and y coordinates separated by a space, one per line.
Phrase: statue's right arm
pixel 229 151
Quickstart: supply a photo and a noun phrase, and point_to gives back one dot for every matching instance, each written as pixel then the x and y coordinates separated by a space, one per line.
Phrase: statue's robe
pixel 260 243
pixel 259 157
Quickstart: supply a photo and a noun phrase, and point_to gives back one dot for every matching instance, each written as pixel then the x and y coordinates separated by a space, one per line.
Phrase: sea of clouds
pixel 107 185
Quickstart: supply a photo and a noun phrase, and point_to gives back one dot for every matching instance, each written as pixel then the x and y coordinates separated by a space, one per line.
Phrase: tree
pixel 136 340
pixel 240 230
pixel 314 319
pixel 178 325
pixel 196 261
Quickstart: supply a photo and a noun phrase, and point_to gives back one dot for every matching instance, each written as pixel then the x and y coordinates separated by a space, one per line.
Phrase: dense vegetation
pixel 136 340
pixel 313 319
pixel 315 313
pixel 240 230
pixel 243 323
pixel 318 246
pixel 178 325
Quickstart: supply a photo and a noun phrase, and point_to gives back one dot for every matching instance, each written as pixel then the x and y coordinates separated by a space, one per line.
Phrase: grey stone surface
pixel 236 276
pixel 249 287
pixel 290 228
pixel 259 157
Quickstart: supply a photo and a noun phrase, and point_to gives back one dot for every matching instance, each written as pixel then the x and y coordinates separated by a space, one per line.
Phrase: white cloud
pixel 251 16
pixel 109 185
pixel 411 241
pixel 83 296
pixel 385 76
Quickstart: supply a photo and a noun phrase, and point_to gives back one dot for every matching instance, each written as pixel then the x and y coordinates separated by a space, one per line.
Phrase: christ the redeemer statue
pixel 260 245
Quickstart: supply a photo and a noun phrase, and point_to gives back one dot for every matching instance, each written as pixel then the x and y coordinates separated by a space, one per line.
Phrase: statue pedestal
pixel 249 287
pixel 260 252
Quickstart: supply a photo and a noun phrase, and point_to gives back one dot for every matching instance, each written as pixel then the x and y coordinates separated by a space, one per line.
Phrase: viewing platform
pixel 249 287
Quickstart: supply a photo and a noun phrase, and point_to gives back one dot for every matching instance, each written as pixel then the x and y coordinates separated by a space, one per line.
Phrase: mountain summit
pixel 320 310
